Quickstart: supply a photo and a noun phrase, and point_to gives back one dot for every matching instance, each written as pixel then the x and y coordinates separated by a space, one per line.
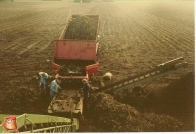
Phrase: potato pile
pixel 112 116
pixel 82 28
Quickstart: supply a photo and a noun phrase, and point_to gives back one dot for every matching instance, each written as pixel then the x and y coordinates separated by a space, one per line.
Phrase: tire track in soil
pixel 13 44
pixel 43 47
pixel 17 46
pixel 29 47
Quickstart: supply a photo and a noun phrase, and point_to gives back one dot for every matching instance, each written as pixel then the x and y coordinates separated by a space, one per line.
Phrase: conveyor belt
pixel 158 72
pixel 35 123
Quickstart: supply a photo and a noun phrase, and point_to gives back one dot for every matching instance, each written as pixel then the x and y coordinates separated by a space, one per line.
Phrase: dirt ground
pixel 135 37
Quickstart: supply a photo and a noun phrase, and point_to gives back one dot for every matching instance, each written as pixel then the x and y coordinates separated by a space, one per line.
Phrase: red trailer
pixel 76 58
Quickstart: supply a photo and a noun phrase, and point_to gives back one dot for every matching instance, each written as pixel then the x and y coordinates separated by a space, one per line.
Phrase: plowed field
pixel 135 37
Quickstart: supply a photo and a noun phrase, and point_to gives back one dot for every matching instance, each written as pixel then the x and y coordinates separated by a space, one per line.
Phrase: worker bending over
pixel 54 87
pixel 43 81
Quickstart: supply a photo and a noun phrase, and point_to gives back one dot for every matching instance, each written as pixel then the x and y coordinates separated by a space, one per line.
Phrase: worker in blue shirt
pixel 43 81
pixel 85 89
pixel 54 87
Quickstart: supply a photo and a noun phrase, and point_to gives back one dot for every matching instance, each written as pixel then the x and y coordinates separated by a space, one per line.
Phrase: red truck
pixel 76 58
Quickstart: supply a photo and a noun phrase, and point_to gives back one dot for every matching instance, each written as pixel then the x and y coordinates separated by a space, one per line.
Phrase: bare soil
pixel 135 37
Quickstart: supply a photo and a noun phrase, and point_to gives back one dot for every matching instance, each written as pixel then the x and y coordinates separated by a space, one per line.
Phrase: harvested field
pixel 135 37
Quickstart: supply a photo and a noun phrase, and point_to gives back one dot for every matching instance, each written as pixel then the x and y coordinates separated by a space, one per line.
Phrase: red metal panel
pixel 89 50
pixel 91 69
pixel 55 67
pixel 63 50
pixel 75 49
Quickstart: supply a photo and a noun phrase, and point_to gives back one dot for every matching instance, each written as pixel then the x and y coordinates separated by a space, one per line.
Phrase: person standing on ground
pixel 54 87
pixel 85 89
pixel 43 81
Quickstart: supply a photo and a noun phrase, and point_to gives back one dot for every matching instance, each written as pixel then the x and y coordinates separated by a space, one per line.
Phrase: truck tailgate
pixel 66 101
